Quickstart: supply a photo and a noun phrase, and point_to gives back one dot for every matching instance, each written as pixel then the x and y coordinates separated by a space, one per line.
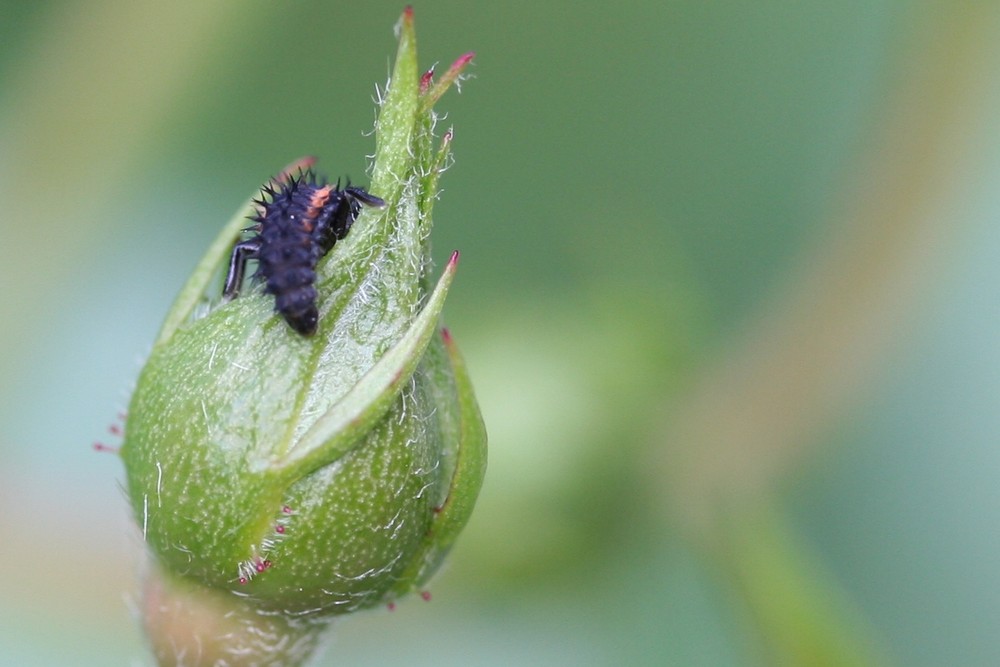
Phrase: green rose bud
pixel 288 478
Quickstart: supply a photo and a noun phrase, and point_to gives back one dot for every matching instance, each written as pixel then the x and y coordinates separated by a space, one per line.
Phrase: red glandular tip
pixel 463 60
pixel 101 447
pixel 425 80
pixel 454 72
pixel 426 595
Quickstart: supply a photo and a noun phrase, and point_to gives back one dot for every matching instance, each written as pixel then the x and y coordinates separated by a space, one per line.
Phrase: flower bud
pixel 309 476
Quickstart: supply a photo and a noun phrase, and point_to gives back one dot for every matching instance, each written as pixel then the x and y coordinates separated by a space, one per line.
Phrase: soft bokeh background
pixel 728 293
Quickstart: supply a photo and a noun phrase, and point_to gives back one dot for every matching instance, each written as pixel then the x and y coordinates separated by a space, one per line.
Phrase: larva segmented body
pixel 298 223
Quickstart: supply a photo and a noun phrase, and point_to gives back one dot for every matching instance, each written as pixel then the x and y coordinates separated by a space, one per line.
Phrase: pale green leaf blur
pixel 728 295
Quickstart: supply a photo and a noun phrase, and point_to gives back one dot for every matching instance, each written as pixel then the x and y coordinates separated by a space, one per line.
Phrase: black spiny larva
pixel 298 222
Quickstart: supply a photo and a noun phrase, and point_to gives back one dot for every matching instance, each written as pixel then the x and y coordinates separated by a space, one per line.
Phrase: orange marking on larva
pixel 316 204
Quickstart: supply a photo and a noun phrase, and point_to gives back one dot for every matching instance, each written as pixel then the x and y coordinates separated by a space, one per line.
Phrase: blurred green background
pixel 727 293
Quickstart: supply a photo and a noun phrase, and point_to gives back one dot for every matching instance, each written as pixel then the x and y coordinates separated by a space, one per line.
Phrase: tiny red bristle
pixel 286 509
pixel 426 595
pixel 425 80
pixel 279 529
pixel 446 337
pixel 267 564
pixel 101 447
pixel 115 429
pixel 243 581
pixel 391 606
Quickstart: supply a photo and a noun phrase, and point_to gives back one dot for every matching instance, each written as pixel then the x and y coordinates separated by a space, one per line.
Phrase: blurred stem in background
pixel 753 414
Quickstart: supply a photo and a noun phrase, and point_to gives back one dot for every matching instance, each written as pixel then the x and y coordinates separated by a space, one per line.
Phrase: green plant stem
pixel 797 612
pixel 189 624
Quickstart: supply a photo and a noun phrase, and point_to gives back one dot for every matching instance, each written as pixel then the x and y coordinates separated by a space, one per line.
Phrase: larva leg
pixel 242 251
